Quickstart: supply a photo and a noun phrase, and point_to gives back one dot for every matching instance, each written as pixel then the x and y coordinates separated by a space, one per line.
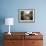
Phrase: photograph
pixel 26 15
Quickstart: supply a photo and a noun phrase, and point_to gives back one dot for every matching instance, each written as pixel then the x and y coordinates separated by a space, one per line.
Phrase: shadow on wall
pixel 2 21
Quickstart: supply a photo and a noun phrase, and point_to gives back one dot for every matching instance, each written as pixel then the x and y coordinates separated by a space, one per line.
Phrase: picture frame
pixel 26 15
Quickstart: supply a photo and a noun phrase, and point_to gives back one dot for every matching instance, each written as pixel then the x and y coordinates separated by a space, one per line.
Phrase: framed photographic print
pixel 26 15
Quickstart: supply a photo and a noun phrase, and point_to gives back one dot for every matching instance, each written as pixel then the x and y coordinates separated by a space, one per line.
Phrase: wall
pixel 9 8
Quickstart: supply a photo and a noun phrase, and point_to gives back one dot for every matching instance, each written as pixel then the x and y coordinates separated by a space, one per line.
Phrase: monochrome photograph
pixel 26 15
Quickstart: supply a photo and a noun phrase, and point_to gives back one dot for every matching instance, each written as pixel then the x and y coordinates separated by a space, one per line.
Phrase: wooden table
pixel 20 39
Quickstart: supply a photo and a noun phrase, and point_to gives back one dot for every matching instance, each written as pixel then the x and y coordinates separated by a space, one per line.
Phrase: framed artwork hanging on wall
pixel 26 15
